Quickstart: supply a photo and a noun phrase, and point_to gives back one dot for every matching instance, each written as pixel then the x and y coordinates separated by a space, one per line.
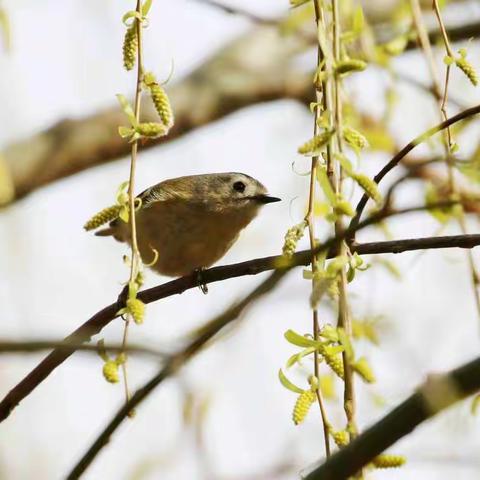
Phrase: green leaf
pixel 288 384
pixel 299 340
pixel 131 14
pixel 346 343
pixel 127 109
pixel 297 357
pixel 330 333
pixel 297 3
pixel 358 20
pixel 146 7
pixel 126 132
pixel 324 182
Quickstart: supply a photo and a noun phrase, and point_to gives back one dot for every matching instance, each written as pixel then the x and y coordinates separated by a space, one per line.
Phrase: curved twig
pixel 469 112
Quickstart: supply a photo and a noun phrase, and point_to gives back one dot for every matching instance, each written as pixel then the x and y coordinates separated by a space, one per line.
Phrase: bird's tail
pixel 106 232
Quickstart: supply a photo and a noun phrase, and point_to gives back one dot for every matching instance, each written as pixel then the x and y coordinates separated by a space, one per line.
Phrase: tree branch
pixel 217 324
pixel 216 274
pixel 34 346
pixel 436 394
pixel 469 112
pixel 227 82
pixel 71 146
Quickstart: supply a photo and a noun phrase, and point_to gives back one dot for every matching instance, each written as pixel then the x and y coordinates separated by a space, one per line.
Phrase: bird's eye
pixel 239 187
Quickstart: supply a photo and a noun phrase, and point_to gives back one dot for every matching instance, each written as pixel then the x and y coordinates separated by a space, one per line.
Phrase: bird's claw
pixel 200 281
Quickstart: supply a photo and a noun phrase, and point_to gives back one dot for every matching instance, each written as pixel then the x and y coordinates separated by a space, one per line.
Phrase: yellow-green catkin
pixel 302 406
pixel 466 67
pixel 130 47
pixel 341 438
pixel 160 100
pixel 110 371
pixel 136 308
pixel 315 144
pixel 369 186
pixel 150 129
pixel 334 361
pixel 362 367
pixel 389 461
pixel 343 207
pixel 354 138
pixel 293 235
pixel 106 215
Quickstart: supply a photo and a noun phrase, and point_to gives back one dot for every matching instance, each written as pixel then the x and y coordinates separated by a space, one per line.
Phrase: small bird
pixel 192 221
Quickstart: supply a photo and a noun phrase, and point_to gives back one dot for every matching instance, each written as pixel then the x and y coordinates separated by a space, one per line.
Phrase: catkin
pixel 335 362
pixel 106 215
pixel 389 461
pixel 130 47
pixel 302 406
pixel 160 100
pixel 341 438
pixel 136 308
pixel 362 367
pixel 293 235
pixel 110 371
pixel 313 146
pixel 151 129
pixel 466 67
pixel 355 138
pixel 369 186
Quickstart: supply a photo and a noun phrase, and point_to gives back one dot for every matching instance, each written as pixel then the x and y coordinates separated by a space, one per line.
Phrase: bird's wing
pixel 162 192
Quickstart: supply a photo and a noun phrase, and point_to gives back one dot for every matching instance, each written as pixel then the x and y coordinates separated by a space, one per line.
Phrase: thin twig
pixel 34 346
pixel 469 112
pixel 216 274
pixel 135 260
pixel 309 218
pixel 442 101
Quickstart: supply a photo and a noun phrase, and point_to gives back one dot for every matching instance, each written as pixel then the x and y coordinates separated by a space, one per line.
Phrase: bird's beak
pixel 266 199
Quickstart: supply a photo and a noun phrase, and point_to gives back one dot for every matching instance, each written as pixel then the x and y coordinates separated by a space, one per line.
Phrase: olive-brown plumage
pixel 192 221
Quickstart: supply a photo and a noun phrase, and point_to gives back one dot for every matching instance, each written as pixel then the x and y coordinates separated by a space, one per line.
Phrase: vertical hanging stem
pixel 344 317
pixel 135 255
pixel 309 217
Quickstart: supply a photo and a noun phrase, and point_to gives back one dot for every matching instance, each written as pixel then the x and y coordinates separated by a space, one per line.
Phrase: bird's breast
pixel 186 237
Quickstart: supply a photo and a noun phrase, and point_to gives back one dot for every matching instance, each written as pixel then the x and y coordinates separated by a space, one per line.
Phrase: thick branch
pixel 228 82
pixel 231 80
pixel 252 267
pixel 436 394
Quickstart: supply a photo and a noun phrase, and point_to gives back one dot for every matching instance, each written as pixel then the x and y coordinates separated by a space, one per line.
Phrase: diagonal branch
pixel 216 274
pixel 435 395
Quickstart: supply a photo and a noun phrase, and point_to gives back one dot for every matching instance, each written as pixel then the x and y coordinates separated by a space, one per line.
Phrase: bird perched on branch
pixel 191 221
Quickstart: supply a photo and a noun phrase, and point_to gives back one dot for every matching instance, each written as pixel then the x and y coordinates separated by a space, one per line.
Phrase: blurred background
pixel 225 416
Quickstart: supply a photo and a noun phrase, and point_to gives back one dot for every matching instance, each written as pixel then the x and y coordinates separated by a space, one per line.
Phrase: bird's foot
pixel 200 281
